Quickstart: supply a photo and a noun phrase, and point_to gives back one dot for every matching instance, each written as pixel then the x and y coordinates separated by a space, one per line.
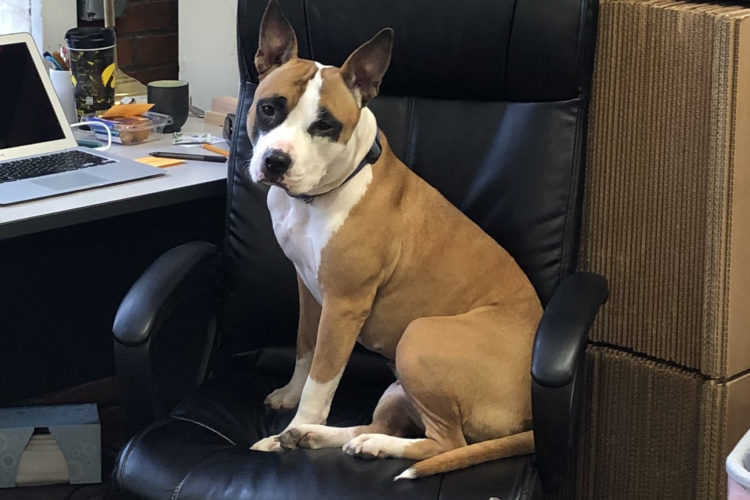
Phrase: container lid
pixel 94 37
pixel 46 416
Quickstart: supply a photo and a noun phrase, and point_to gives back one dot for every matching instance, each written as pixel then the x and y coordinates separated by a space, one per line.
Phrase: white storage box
pixel 738 470
pixel 50 444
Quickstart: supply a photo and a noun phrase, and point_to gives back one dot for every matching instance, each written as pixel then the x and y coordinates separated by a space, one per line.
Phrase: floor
pixel 105 394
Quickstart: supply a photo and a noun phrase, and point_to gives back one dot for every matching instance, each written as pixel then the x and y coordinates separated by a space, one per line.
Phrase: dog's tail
pixel 473 454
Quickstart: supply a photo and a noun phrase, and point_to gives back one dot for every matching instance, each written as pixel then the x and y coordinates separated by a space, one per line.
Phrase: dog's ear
pixel 277 43
pixel 364 69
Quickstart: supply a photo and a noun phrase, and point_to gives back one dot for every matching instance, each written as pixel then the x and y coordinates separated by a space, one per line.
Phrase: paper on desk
pixel 209 139
pixel 160 162
pixel 191 138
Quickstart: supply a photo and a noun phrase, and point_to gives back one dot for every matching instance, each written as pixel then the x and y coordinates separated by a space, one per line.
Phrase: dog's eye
pixel 267 109
pixel 321 126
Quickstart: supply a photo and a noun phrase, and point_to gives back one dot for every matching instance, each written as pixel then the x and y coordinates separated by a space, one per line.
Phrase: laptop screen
pixel 26 113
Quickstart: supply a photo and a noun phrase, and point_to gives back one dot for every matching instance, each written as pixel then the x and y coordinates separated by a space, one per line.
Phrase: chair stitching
pixel 507 47
pixel 131 445
pixel 410 105
pixel 307 29
pixel 574 185
pixel 176 492
pixel 185 419
pixel 231 173
pixel 178 488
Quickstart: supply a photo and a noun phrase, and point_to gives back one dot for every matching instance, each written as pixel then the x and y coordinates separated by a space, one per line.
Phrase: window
pixel 15 16
pixel 46 20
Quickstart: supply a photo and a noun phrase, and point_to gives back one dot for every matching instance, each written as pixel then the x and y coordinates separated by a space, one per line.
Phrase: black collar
pixel 371 157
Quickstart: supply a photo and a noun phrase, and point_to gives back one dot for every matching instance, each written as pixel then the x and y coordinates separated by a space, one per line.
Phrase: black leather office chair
pixel 486 100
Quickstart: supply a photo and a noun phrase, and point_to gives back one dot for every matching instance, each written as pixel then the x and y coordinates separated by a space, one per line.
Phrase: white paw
pixel 270 443
pixel 368 446
pixel 285 398
pixel 314 436
pixel 300 436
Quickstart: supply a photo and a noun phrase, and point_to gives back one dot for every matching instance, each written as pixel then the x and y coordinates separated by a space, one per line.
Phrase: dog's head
pixel 305 115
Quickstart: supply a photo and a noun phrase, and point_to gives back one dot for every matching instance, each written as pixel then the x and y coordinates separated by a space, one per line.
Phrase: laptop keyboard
pixel 49 164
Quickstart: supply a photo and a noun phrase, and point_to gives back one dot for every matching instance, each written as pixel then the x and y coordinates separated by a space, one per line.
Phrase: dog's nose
pixel 276 161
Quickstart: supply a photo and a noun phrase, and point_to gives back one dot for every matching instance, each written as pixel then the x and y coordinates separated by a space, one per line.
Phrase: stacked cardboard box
pixel 653 430
pixel 667 221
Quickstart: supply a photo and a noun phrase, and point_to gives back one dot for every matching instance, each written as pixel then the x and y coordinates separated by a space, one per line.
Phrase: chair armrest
pixel 557 370
pixel 164 330
pixel 151 297
pixel 564 327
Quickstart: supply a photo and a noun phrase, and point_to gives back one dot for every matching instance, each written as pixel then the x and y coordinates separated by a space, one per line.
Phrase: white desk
pixel 191 180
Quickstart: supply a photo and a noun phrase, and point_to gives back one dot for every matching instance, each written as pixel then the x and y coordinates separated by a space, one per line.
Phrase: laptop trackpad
pixel 69 180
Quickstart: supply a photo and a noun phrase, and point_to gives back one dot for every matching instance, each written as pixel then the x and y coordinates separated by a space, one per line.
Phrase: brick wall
pixel 147 39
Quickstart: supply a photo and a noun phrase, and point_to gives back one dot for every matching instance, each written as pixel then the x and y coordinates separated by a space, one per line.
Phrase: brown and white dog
pixel 383 259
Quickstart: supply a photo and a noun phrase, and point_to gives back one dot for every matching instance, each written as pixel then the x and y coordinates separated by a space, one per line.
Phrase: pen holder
pixel 61 81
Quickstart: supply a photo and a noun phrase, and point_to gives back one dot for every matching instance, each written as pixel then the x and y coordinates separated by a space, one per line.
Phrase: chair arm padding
pixel 563 329
pixel 153 295
pixel 165 331
pixel 557 369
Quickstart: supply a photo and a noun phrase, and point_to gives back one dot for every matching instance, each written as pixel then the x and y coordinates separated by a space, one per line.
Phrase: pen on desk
pixel 187 156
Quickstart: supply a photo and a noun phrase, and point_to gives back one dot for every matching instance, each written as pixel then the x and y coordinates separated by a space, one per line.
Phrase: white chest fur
pixel 304 229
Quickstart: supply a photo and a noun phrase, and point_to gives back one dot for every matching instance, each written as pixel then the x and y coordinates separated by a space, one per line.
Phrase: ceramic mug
pixel 170 97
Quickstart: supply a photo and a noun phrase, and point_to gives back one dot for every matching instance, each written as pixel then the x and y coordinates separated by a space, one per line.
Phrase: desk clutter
pixel 87 95
pixel 130 123
pixel 135 123
pixel 221 108
pixel 50 444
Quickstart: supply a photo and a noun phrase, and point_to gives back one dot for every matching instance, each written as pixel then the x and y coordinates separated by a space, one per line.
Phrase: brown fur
pixel 277 42
pixel 289 83
pixel 411 277
pixel 335 96
pixel 459 458
pixel 458 318
pixel 309 318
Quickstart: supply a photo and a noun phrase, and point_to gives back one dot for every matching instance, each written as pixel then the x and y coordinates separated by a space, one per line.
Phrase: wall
pixel 46 20
pixel 15 16
pixel 207 49
pixel 146 39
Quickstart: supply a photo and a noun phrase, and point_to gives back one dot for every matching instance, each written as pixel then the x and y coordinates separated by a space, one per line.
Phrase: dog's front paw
pixel 270 443
pixel 283 398
pixel 292 438
pixel 369 446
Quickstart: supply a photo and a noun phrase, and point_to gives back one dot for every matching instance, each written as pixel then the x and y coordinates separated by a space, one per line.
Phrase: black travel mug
pixel 92 66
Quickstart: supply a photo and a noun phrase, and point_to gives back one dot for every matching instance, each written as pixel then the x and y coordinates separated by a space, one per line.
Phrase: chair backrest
pixel 485 99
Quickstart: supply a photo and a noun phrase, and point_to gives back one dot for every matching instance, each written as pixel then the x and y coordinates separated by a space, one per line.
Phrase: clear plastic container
pixel 132 130
pixel 738 470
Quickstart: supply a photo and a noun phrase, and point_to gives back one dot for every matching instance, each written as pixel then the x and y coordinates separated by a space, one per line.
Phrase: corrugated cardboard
pixel 652 430
pixel 667 212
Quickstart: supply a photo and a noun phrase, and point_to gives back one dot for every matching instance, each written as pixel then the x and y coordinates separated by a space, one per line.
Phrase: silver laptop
pixel 39 156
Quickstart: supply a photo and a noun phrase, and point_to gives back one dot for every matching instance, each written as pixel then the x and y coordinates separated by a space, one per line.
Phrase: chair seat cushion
pixel 201 451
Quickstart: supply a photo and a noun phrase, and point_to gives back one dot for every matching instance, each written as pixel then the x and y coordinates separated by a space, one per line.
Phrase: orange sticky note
pixel 160 162
pixel 216 150
pixel 126 110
